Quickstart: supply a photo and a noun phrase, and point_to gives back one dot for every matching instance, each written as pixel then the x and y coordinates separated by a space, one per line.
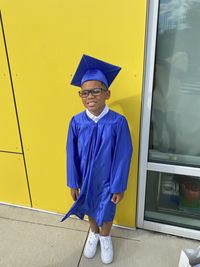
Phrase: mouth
pixel 91 103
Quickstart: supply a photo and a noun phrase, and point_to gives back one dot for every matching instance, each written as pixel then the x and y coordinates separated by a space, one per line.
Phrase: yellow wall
pixel 45 41
pixel 13 182
pixel 8 121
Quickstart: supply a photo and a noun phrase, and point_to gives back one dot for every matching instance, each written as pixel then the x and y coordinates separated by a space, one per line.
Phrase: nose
pixel 90 95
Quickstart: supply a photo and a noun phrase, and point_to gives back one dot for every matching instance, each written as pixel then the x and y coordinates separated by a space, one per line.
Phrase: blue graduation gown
pixel 98 161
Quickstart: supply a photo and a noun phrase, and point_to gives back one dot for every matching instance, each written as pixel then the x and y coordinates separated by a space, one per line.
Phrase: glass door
pixel 169 184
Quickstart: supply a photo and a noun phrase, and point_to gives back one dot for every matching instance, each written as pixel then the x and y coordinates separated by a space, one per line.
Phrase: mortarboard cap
pixel 90 69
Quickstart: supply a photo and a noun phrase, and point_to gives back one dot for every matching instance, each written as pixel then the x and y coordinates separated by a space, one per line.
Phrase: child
pixel 99 152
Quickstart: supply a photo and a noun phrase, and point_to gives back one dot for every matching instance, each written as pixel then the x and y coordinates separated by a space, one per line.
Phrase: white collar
pixel 97 118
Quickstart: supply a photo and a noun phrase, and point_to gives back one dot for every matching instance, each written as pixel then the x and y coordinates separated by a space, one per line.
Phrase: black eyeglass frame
pixel 91 92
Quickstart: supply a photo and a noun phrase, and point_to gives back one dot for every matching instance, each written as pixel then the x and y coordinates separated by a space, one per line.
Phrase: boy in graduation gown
pixel 99 151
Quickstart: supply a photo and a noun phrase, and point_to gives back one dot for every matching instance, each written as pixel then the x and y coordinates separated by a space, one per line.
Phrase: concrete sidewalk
pixel 31 238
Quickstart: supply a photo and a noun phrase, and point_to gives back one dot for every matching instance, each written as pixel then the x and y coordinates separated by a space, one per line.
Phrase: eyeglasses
pixel 94 92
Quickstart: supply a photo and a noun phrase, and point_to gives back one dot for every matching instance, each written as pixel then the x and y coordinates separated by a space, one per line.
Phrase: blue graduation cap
pixel 92 69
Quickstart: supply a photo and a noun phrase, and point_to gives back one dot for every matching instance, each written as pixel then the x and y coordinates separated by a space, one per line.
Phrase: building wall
pixel 45 41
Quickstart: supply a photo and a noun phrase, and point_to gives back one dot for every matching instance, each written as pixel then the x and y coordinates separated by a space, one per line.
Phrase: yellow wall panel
pixel 13 187
pixel 9 134
pixel 46 40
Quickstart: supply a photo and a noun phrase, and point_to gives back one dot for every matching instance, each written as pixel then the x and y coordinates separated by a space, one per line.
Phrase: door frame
pixel 144 165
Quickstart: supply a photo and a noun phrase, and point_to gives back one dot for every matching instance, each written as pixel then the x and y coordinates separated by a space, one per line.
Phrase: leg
pixel 93 225
pixel 92 240
pixel 105 230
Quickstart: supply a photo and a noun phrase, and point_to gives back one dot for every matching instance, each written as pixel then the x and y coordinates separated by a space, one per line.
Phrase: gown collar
pixel 97 118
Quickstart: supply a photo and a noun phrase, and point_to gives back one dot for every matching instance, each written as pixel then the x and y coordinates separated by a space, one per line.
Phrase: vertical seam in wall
pixel 15 105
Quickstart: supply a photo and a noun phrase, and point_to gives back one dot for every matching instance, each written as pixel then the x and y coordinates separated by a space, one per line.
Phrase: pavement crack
pixel 42 224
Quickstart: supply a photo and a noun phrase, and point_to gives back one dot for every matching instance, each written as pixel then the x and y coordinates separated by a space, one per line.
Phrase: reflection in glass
pixel 175 117
pixel 173 199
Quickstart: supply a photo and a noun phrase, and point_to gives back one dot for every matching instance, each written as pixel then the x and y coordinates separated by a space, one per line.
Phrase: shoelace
pixel 92 239
pixel 106 243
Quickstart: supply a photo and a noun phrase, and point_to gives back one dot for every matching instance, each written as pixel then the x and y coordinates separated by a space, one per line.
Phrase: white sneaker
pixel 106 249
pixel 91 245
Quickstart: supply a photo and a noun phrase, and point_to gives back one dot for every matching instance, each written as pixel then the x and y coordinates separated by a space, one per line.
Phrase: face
pixel 95 104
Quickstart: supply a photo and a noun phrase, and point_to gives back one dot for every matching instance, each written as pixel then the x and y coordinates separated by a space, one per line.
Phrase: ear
pixel 108 93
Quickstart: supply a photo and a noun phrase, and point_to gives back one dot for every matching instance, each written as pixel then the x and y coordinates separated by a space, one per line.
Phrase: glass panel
pixel 173 199
pixel 175 118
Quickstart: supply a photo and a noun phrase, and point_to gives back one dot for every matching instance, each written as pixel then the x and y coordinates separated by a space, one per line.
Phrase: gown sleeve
pixel 73 173
pixel 121 158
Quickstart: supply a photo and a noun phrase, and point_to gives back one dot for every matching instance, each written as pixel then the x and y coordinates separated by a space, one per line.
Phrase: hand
pixel 74 193
pixel 117 197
